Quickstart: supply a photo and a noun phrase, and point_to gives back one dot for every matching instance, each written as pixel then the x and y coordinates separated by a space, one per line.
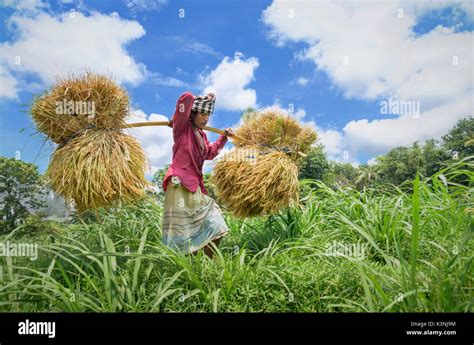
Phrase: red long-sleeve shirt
pixel 188 158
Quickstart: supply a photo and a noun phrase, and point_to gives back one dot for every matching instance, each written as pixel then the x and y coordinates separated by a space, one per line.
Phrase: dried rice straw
pixel 261 177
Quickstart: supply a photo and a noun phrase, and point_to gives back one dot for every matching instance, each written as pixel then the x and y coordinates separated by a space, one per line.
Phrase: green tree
pixel 21 191
pixel 435 157
pixel 367 175
pixel 157 180
pixel 342 174
pixel 315 165
pixel 401 164
pixel 457 138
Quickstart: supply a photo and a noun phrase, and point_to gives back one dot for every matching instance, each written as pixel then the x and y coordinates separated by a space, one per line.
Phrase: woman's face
pixel 200 120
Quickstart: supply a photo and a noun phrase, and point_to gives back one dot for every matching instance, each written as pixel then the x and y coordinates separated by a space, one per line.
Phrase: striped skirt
pixel 190 220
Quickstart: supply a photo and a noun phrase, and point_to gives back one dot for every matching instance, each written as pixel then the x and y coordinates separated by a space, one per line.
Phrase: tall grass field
pixel 339 250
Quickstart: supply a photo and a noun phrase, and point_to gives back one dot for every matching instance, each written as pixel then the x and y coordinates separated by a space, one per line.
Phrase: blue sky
pixel 332 63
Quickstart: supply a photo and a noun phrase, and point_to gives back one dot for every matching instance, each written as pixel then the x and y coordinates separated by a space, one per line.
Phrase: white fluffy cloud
pixel 229 82
pixel 8 84
pixel 157 141
pixel 47 45
pixel 370 52
pixel 25 5
pixel 332 141
pixel 378 136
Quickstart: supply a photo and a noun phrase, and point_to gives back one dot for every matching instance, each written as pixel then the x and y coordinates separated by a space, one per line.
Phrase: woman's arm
pixel 214 148
pixel 182 113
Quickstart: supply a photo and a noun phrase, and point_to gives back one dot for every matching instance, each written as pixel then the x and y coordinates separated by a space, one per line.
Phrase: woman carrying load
pixel 192 220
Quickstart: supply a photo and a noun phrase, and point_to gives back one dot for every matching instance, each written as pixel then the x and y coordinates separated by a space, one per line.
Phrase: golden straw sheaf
pixel 260 177
pixel 95 163
pixel 110 103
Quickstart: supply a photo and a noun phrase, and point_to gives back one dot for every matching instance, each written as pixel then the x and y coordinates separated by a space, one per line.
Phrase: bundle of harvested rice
pixel 261 177
pixel 77 102
pixel 95 164
pixel 253 183
pixel 274 128
pixel 97 168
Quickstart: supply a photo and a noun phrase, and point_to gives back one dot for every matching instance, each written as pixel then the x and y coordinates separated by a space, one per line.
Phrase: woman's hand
pixel 228 132
pixel 170 123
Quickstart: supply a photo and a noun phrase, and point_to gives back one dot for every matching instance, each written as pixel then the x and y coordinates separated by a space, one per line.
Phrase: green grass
pixel 418 257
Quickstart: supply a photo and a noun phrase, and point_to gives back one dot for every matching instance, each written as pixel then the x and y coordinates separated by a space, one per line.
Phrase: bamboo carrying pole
pixel 212 129
pixel 165 123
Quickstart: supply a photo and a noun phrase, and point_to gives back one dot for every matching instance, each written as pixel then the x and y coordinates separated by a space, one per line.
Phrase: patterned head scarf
pixel 204 104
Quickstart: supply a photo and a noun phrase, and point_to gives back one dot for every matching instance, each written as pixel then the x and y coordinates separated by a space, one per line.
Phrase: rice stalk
pixel 98 168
